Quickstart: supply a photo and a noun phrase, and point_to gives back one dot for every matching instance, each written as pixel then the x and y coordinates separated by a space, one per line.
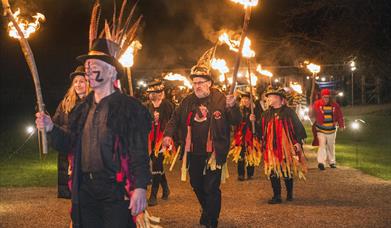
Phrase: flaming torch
pixel 21 30
pixel 265 73
pixel 247 4
pixel 314 69
pixel 247 53
pixel 221 66
pixel 178 77
pixel 127 61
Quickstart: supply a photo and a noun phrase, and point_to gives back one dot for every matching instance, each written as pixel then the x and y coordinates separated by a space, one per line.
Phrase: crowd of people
pixel 112 146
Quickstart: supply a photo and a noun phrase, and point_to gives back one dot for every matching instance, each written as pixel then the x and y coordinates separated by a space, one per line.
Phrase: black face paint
pixel 97 78
pixel 90 72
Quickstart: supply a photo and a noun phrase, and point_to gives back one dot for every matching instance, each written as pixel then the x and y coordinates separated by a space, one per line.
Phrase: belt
pixel 97 175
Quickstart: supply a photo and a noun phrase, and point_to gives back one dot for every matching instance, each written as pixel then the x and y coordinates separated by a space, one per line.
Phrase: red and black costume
pixel 245 147
pixel 281 129
pixel 121 163
pixel 109 141
pixel 157 154
pixel 203 125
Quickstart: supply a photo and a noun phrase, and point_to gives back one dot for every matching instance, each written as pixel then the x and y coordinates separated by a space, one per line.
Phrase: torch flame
pixel 296 87
pixel 221 66
pixel 27 27
pixel 254 79
pixel 127 59
pixel 178 77
pixel 313 68
pixel 234 45
pixel 246 3
pixel 264 72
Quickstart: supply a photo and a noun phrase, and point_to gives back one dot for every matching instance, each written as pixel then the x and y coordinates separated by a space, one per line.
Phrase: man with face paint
pixel 203 121
pixel 282 135
pixel 161 110
pixel 108 134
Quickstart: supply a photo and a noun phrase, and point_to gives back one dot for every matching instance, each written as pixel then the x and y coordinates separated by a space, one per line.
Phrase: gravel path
pixel 341 197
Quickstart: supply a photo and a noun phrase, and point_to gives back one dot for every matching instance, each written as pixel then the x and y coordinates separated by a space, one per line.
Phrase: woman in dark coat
pixel 76 92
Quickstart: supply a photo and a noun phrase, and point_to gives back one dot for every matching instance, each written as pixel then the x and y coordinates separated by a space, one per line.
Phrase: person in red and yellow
pixel 328 118
pixel 282 136
pixel 161 110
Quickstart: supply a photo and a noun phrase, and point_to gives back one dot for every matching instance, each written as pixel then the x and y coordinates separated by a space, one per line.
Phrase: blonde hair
pixel 71 97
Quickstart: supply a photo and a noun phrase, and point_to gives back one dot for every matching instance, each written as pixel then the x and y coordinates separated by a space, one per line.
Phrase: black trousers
pixel 206 185
pixel 158 175
pixel 102 203
pixel 241 165
pixel 63 177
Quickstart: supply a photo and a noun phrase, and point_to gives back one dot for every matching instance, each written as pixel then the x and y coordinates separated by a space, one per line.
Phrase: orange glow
pixel 178 77
pixel 264 72
pixel 246 3
pixel 127 59
pixel 221 66
pixel 27 27
pixel 234 45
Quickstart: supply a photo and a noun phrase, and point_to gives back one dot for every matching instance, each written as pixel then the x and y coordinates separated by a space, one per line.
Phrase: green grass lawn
pixel 26 168
pixel 367 149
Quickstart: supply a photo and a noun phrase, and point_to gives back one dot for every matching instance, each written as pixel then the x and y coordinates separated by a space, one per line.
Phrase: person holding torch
pixel 108 134
pixel 203 121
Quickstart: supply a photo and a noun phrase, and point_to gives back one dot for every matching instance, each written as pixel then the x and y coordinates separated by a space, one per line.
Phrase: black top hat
pixel 156 86
pixel 78 71
pixel 106 51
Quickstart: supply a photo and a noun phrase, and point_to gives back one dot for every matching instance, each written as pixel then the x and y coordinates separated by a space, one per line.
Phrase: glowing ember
pixel 234 45
pixel 127 59
pixel 178 77
pixel 264 72
pixel 27 27
pixel 246 3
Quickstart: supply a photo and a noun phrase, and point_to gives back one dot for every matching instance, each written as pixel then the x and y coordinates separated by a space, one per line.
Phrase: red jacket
pixel 317 112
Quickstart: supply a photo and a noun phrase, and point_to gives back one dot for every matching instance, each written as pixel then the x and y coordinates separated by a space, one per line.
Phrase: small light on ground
pixel 355 125
pixel 30 129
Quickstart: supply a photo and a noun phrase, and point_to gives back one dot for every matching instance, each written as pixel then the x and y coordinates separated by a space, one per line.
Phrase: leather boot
pixel 152 201
pixel 164 184
pixel 276 185
pixel 204 219
pixel 289 188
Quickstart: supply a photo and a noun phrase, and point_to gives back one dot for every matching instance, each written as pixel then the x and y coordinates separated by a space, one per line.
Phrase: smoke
pixel 177 32
pixel 209 16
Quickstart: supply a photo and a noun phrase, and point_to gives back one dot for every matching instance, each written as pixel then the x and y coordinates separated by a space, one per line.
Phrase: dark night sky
pixel 174 34
pixel 170 35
